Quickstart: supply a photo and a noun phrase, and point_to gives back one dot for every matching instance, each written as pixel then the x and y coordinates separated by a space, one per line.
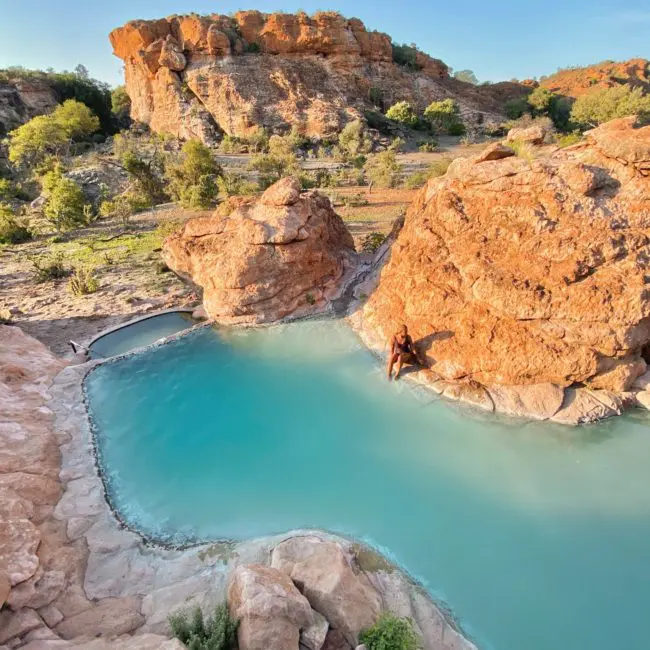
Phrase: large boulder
pixel 516 273
pixel 332 583
pixel 285 255
pixel 270 610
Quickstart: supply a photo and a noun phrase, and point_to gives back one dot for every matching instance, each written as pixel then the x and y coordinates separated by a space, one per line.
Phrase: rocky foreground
pixel 71 576
pixel 524 279
pixel 199 76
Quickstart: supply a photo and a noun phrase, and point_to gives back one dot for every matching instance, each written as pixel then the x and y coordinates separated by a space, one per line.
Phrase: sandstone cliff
pixel 197 76
pixel 573 82
pixel 286 255
pixel 22 99
pixel 518 273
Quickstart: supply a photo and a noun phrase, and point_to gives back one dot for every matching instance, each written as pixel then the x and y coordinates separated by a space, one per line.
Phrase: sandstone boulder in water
pixel 513 273
pixel 286 255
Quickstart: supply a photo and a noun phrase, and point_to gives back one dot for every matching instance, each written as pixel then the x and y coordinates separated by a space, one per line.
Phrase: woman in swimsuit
pixel 402 351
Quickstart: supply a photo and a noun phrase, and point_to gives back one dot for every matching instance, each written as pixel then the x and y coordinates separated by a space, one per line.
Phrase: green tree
pixel 443 115
pixel 467 76
pixel 76 119
pixel 280 161
pixel 606 104
pixel 64 201
pixel 353 140
pixel 11 232
pixel 192 177
pixel 383 169
pixel 390 632
pixel 403 113
pixel 515 108
pixel 121 105
pixel 541 100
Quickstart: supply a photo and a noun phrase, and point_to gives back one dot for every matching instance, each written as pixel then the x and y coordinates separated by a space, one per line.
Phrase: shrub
pixel 230 144
pixel 7 189
pixel 540 100
pixel 403 113
pixel 233 184
pixel 383 169
pixel 219 632
pixel 192 177
pixel 49 268
pixel 417 179
pixel 609 103
pixel 253 48
pixel 258 140
pixel 5 316
pixel 281 160
pixel 428 146
pixel 406 55
pixel 457 129
pixel 443 116
pixel 353 140
pixel 64 201
pixel 11 232
pixel 567 139
pixel 390 632
pixel 355 200
pixel 376 97
pixel 522 149
pixel 83 281
pixel 515 108
pixel 378 121
pixel 119 208
pixel 372 242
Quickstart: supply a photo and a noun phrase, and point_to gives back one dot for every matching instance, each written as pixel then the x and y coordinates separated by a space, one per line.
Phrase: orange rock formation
pixel 533 274
pixel 197 76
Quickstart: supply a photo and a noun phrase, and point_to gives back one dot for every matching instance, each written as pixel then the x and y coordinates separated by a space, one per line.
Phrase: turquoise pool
pixel 537 536
pixel 140 334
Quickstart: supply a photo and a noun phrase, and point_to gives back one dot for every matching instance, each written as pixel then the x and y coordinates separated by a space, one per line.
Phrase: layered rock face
pixel 195 76
pixel 284 255
pixel 528 277
pixel 22 99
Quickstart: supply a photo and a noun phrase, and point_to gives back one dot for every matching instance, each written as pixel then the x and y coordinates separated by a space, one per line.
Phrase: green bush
pixel 119 208
pixel 372 242
pixel 376 97
pixel 606 104
pixel 233 184
pixel 218 632
pixel 567 139
pixel 378 121
pixel 253 48
pixel 428 146
pixel 353 141
pixel 193 176
pixel 515 108
pixel 83 281
pixel 416 180
pixel 403 113
pixel 444 116
pixel 390 632
pixel 280 161
pixel 64 201
pixel 49 268
pixel 541 100
pixel 383 169
pixel 457 129
pixel 355 200
pixel 522 149
pixel 467 76
pixel 230 144
pixel 406 55
pixel 11 232
pixel 121 106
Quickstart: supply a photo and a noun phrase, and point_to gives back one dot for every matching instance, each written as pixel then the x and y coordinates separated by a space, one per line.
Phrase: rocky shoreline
pixel 83 570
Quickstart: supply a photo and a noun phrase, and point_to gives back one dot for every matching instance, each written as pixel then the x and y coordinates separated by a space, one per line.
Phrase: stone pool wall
pixel 69 568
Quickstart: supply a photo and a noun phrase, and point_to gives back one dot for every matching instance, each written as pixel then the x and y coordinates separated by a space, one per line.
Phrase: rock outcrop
pixel 520 278
pixel 286 255
pixel 23 99
pixel 574 82
pixel 197 76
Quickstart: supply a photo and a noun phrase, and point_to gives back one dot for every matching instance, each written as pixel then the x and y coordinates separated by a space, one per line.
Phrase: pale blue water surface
pixel 537 536
pixel 140 334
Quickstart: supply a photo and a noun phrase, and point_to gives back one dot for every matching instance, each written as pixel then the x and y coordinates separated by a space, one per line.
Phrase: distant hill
pixel 573 82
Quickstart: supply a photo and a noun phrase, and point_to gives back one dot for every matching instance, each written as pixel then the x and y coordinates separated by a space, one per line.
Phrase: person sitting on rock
pixel 402 350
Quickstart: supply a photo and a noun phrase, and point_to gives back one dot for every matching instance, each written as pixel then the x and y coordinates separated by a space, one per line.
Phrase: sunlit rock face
pixel 517 272
pixel 284 255
pixel 197 76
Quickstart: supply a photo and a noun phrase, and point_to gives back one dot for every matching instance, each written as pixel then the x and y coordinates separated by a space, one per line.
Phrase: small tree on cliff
pixel 193 176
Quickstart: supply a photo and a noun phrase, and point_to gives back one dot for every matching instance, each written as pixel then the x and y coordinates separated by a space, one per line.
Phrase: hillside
pixel 22 99
pixel 574 82
pixel 199 76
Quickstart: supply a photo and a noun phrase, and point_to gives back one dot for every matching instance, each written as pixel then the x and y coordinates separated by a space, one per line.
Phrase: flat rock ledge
pixel 86 581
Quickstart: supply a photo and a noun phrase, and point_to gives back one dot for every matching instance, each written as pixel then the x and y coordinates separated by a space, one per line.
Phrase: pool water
pixel 536 535
pixel 140 334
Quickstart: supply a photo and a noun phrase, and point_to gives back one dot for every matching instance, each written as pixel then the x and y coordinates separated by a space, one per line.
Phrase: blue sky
pixel 498 40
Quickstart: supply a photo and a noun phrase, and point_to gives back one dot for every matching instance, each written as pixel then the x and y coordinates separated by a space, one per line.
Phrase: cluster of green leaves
pixel 391 632
pixel 48 268
pixel 372 242
pixel 234 184
pixel 65 203
pixel 606 104
pixel 382 169
pixel 404 113
pixel 218 632
pixel 121 106
pixel 83 281
pixel 51 135
pixel 192 176
pixel 467 76
pixel 11 230
pixel 280 161
pixel 406 55
pixel 444 116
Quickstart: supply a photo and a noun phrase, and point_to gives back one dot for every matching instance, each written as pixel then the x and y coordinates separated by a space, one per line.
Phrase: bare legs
pixel 398 359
